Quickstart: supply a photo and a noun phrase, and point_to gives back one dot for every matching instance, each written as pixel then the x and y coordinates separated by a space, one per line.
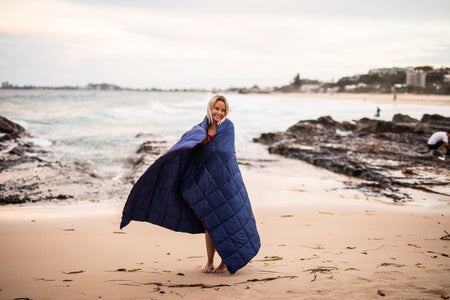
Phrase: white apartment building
pixel 447 78
pixel 416 78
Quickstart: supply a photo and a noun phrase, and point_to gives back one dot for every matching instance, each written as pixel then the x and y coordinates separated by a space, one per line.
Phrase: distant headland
pixel 417 80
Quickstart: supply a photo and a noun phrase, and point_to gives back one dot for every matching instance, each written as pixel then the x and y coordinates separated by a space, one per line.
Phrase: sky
pixel 215 44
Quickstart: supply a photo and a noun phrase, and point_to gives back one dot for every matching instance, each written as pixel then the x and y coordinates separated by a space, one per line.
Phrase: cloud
pixel 204 43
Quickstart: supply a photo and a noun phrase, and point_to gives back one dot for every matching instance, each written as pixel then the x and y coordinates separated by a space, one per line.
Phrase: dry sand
pixel 402 98
pixel 319 241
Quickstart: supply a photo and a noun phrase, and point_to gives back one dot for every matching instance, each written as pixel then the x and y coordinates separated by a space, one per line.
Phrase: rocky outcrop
pixel 14 151
pixel 392 154
pixel 436 122
pixel 8 127
pixel 29 174
pixel 146 154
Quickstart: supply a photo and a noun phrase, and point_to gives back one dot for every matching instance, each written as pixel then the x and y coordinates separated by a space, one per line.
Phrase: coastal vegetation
pixel 418 80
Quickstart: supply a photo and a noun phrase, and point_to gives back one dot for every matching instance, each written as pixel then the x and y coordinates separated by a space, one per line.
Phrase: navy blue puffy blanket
pixel 194 187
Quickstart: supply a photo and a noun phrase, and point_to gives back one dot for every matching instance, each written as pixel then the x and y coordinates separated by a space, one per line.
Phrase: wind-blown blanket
pixel 195 187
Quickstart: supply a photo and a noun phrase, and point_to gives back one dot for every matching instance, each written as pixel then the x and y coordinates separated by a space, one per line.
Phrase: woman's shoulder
pixel 227 122
pixel 226 127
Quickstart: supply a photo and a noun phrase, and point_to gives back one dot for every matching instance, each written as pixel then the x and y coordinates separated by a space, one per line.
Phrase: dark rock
pixel 9 127
pixel 6 137
pixel 436 122
pixel 434 119
pixel 375 189
pixel 30 175
pixel 11 162
pixel 10 134
pixel 58 197
pixel 14 199
pixel 399 118
pixel 269 138
pixel 146 135
pixel 17 151
pixel 147 152
pixel 378 126
pixel 374 150
pixel 152 147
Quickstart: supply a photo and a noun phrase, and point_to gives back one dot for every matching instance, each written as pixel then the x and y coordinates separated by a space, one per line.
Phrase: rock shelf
pixel 388 154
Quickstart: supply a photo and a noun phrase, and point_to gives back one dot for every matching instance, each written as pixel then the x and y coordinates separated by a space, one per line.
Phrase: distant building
pixel 103 87
pixel 255 89
pixel 6 85
pixel 446 78
pixel 416 79
pixel 355 78
pixel 330 89
pixel 353 87
pixel 350 87
pixel 390 71
pixel 379 72
pixel 308 88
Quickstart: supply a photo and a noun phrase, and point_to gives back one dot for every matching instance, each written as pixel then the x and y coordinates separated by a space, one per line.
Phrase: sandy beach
pixel 402 98
pixel 319 241
pixel 183 113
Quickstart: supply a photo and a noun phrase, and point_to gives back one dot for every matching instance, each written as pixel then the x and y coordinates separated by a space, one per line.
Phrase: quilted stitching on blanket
pixel 194 187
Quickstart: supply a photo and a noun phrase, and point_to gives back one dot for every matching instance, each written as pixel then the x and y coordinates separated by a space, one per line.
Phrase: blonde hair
pixel 210 107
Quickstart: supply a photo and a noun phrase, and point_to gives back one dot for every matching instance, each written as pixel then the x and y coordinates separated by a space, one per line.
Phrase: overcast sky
pixel 218 44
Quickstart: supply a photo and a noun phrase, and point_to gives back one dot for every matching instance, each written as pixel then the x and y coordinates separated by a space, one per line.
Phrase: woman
pixel 197 187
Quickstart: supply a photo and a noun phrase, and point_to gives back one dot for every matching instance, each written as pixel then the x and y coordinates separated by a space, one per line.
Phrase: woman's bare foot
pixel 209 268
pixel 222 268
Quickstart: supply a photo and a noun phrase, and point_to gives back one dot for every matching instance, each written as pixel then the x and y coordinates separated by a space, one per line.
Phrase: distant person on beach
pixel 197 187
pixel 378 112
pixel 437 141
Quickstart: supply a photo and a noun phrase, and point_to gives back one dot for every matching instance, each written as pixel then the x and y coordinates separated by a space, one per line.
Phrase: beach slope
pixel 319 241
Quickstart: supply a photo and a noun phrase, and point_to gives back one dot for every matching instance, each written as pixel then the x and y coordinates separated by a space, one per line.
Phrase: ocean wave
pixel 38 141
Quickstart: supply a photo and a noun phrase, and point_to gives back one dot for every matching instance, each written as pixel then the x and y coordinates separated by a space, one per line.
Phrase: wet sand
pixel 319 241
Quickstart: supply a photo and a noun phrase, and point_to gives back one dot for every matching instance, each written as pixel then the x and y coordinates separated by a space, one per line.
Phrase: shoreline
pixel 298 182
pixel 402 98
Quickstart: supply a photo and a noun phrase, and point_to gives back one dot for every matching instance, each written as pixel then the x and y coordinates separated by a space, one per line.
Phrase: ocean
pixel 99 128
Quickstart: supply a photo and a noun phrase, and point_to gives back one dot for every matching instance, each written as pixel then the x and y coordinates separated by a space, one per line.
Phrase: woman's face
pixel 218 111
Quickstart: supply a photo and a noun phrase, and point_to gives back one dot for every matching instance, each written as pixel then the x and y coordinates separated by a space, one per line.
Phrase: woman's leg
pixel 210 250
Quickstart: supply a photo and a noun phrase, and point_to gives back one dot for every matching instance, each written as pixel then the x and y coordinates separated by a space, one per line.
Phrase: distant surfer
pixel 378 112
